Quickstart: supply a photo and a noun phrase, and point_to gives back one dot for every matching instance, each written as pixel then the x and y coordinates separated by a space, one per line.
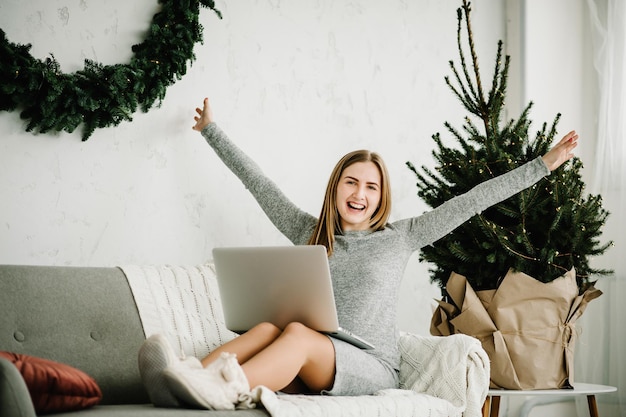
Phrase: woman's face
pixel 358 195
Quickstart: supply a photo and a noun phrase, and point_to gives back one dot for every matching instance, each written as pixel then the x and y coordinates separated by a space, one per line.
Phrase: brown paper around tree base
pixel 527 327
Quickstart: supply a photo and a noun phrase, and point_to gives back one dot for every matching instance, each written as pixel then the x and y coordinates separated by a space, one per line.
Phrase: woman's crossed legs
pixel 283 359
pixel 295 359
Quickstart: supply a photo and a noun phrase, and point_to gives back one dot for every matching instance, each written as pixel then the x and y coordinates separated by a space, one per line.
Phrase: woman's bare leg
pixel 297 360
pixel 248 344
pixel 297 387
pixel 297 352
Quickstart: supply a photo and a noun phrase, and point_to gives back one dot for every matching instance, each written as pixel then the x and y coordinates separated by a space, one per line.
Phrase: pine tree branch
pixel 481 99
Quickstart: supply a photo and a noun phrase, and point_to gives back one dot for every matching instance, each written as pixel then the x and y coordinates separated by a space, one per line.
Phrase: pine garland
pixel 101 95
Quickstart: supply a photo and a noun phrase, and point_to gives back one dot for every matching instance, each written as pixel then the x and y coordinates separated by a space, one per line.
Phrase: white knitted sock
pixel 155 355
pixel 249 399
pixel 216 387
pixel 237 382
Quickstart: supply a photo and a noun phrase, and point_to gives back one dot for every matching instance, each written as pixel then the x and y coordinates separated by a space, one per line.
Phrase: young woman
pixel 367 257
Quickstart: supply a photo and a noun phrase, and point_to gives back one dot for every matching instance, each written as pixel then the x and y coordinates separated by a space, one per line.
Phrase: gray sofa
pixel 85 317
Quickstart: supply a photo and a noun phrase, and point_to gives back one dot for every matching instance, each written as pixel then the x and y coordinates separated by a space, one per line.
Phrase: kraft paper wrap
pixel 527 327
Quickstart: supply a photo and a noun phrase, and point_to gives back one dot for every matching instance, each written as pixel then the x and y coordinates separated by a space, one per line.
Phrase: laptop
pixel 280 285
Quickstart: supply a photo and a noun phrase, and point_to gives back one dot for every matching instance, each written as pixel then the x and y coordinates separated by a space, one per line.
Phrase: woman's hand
pixel 204 117
pixel 561 152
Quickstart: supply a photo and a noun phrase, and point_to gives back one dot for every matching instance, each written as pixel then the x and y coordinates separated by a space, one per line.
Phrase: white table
pixel 492 403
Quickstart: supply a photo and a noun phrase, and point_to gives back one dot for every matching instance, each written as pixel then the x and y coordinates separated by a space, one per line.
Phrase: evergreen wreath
pixel 101 95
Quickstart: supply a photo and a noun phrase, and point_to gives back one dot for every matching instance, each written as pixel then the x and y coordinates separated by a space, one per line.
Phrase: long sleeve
pixel 293 222
pixel 435 224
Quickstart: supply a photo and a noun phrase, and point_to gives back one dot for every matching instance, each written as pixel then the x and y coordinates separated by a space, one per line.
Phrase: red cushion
pixel 53 386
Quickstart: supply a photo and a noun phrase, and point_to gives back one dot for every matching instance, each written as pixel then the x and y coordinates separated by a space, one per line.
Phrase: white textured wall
pixel 296 84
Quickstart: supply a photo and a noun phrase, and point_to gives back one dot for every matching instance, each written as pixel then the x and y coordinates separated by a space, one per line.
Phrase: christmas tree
pixel 543 231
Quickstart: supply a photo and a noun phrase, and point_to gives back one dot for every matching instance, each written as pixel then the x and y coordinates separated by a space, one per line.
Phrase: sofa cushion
pixel 54 386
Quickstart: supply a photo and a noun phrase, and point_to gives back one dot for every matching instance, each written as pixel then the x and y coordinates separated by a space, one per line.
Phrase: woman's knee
pixel 295 331
pixel 297 328
pixel 267 330
pixel 302 334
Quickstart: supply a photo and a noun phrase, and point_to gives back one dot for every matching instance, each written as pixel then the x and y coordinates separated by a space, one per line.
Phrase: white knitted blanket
pixel 392 403
pixel 182 303
pixel 440 376
pixel 455 367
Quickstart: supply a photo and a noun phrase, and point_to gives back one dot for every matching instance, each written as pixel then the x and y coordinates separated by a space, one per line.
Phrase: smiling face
pixel 358 195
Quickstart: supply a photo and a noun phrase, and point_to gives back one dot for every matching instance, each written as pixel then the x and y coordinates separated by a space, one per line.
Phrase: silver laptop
pixel 280 285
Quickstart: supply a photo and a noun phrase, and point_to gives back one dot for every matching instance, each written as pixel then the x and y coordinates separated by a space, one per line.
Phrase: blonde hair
pixel 329 222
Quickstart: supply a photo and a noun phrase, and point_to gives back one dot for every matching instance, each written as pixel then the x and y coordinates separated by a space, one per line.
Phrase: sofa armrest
pixel 455 368
pixel 14 396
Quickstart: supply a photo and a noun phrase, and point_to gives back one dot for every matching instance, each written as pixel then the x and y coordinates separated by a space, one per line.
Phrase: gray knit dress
pixel 367 267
